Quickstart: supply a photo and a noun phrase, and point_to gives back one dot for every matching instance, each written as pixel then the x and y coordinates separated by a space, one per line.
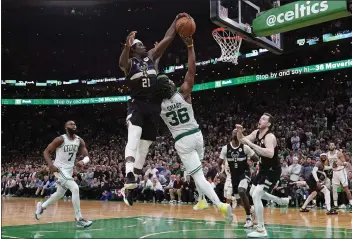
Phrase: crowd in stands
pixel 309 113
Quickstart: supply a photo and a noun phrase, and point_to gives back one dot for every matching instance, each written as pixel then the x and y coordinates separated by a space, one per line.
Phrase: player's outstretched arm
pixel 187 86
pixel 240 135
pixel 268 151
pixel 159 50
pixel 124 61
pixel 84 152
pixel 49 150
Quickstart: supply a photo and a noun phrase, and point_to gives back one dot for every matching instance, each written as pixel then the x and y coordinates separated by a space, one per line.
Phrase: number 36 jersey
pixel 178 115
pixel 66 153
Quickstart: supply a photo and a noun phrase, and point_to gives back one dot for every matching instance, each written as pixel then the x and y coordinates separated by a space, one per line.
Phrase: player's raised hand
pixel 156 44
pixel 130 38
pixel 187 40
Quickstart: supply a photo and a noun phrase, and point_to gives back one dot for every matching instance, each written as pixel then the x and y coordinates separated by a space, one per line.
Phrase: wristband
pixel 190 46
pixel 85 160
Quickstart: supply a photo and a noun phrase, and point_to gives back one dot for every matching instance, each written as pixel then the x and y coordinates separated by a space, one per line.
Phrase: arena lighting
pixel 329 66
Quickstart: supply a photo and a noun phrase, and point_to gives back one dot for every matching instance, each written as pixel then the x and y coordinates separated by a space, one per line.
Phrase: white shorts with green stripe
pixel 63 176
pixel 191 151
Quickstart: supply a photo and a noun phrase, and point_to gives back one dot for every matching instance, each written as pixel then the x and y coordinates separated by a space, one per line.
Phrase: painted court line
pixel 95 229
pixel 10 237
pixel 129 226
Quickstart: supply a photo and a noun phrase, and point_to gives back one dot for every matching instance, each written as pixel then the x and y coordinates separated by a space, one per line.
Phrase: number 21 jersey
pixel 66 153
pixel 178 115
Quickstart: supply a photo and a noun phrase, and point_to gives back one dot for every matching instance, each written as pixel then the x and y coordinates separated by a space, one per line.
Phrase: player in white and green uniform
pixel 66 147
pixel 178 115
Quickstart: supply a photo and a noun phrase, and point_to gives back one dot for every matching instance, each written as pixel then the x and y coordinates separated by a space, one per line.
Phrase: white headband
pixel 136 41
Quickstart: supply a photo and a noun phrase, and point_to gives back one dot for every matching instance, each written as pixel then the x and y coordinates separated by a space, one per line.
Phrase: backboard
pixel 237 16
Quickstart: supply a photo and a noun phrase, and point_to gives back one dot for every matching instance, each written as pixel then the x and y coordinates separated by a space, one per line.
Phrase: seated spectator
pixel 151 170
pixel 294 170
pixel 161 179
pixel 42 186
pixel 10 187
pixel 157 190
pixel 306 169
pixel 106 195
pixel 51 188
pixel 188 190
pixel 169 186
pixel 166 172
pixel 177 188
pixel 146 186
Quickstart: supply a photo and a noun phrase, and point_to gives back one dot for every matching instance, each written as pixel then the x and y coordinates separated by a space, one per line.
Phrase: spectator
pixel 177 188
pixel 306 169
pixel 157 190
pixel 188 190
pixel 294 170
pixel 161 179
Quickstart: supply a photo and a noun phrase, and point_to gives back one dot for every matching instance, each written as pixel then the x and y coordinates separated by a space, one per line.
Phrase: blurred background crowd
pixel 310 110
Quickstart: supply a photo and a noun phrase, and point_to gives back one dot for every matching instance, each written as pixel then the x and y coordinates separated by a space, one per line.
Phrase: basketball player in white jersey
pixel 177 113
pixel 339 174
pixel 66 147
pixel 264 143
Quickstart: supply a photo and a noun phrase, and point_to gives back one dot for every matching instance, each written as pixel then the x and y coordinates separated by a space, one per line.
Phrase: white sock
pixel 269 197
pixel 335 196
pixel 134 136
pixel 60 192
pixel 142 151
pixel 129 167
pixel 350 201
pixel 200 193
pixel 205 187
pixel 72 185
pixel 258 205
pixel 327 198
pixel 309 199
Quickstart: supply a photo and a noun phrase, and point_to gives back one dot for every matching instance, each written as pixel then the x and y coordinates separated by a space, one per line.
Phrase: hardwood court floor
pixel 116 220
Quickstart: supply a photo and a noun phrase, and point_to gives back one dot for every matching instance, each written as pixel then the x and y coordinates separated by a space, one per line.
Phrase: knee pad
pixel 142 151
pixel 134 136
pixel 242 192
pixel 138 171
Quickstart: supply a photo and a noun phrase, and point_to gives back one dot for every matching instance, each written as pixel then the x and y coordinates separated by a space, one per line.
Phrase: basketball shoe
pixel 39 210
pixel 202 204
pixel 83 223
pixel 226 210
pixel 127 196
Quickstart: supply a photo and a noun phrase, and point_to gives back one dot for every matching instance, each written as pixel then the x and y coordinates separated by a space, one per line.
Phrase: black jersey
pixel 142 79
pixel 236 159
pixel 321 175
pixel 265 161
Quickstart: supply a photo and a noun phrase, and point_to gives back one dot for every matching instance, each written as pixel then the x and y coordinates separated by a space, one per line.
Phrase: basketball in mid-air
pixel 185 26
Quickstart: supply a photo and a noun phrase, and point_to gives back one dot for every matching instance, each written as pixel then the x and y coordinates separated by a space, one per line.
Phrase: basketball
pixel 185 26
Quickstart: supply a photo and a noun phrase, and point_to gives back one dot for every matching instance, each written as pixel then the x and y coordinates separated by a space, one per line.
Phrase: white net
pixel 229 43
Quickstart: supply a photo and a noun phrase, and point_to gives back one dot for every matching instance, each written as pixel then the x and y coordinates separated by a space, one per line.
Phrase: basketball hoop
pixel 229 43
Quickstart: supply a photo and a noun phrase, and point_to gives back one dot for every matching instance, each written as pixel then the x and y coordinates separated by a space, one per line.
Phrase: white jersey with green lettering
pixel 66 154
pixel 178 115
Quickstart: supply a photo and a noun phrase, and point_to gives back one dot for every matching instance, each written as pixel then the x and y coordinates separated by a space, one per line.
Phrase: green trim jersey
pixel 178 115
pixel 66 154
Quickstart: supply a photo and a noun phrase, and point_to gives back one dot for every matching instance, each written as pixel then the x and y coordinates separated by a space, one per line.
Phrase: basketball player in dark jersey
pixel 145 104
pixel 317 182
pixel 235 155
pixel 265 145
